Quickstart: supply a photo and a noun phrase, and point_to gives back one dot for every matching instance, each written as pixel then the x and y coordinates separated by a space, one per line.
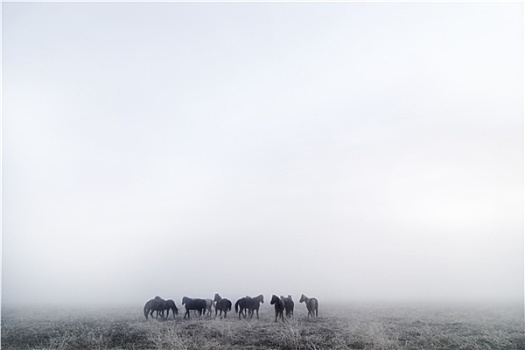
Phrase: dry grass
pixel 351 327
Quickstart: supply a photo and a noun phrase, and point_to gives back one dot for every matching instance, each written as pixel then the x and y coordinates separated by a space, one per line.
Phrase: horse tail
pixel 236 306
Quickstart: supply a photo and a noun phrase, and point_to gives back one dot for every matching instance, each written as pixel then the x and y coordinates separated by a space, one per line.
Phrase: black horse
pixel 194 304
pixel 250 304
pixel 222 305
pixel 279 307
pixel 311 304
pixel 288 305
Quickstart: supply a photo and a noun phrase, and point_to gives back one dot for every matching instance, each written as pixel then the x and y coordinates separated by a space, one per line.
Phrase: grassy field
pixel 348 327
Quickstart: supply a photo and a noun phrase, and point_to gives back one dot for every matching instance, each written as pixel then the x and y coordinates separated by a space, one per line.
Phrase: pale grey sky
pixel 342 150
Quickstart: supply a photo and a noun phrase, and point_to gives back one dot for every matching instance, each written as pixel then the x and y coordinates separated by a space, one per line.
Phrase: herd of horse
pixel 244 307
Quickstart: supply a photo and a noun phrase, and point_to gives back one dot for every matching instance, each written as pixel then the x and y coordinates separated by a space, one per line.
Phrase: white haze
pixel 342 150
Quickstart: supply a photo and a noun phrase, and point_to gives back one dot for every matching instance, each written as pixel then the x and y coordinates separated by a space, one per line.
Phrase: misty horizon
pixel 346 151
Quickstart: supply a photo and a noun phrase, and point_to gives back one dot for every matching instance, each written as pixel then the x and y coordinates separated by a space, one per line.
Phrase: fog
pixel 347 151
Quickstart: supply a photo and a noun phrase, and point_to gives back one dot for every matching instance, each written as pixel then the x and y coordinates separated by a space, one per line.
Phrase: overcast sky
pixel 340 150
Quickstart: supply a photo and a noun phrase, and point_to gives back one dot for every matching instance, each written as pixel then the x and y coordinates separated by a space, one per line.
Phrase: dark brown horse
pixel 152 306
pixel 288 305
pixel 250 304
pixel 155 304
pixel 311 304
pixel 279 307
pixel 169 305
pixel 222 305
pixel 241 306
pixel 194 304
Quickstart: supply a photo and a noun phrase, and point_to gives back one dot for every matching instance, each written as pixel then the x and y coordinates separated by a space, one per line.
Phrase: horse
pixel 169 305
pixel 222 305
pixel 241 305
pixel 209 304
pixel 156 304
pixel 194 304
pixel 250 304
pixel 311 304
pixel 288 305
pixel 279 307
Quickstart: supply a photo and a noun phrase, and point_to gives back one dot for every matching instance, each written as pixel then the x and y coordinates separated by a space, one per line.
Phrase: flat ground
pixel 338 327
